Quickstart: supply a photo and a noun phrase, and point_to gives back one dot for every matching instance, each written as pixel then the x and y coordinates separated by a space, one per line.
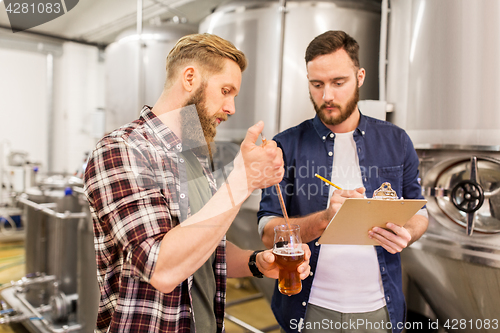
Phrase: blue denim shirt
pixel 385 153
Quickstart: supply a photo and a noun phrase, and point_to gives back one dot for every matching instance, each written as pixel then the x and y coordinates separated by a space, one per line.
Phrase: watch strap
pixel 252 264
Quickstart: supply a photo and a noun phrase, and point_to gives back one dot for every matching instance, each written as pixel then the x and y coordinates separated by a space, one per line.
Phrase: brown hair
pixel 330 42
pixel 207 50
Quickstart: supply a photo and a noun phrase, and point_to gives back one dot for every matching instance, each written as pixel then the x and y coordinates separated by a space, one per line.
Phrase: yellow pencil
pixel 327 181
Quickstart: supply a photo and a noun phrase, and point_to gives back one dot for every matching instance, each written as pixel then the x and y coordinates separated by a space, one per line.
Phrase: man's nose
pixel 229 107
pixel 328 93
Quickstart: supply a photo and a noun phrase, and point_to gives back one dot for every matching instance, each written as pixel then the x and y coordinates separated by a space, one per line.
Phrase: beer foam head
pixel 288 251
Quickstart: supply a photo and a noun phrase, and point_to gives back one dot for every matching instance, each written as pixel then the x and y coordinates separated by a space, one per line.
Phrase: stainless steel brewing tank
pixel 60 259
pixel 443 71
pixel 254 27
pixel 88 289
pixel 36 242
pixel 36 226
pixel 136 75
pixel 51 240
pixel 443 79
pixel 457 274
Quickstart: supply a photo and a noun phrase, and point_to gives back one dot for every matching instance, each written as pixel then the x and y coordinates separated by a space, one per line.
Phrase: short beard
pixel 344 113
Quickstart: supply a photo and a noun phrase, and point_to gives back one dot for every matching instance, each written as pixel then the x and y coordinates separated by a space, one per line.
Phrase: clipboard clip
pixel 385 192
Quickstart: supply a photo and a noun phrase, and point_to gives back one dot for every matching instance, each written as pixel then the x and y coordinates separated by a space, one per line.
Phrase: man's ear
pixel 361 76
pixel 189 77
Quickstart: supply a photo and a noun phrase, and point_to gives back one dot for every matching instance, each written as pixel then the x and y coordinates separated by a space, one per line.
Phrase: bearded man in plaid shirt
pixel 159 220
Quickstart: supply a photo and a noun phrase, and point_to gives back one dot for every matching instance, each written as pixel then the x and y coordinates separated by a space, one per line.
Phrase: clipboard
pixel 356 216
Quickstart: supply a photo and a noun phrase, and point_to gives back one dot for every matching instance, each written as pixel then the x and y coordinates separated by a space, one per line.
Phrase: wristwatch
pixel 252 264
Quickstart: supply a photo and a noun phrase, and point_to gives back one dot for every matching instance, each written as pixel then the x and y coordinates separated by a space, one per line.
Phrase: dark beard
pixel 344 113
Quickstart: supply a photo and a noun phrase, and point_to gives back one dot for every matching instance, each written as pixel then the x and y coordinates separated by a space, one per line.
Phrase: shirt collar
pixel 363 123
pixel 159 128
pixel 324 131
pixel 320 128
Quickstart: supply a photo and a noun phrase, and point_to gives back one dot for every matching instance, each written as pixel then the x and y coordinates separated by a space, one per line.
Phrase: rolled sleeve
pixel 423 212
pixel 142 259
pixel 139 227
pixel 263 222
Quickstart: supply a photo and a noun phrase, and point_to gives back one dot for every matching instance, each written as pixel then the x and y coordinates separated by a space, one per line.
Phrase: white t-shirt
pixel 347 277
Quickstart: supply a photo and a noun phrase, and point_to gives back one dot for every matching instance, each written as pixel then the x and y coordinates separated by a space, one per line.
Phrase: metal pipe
pixel 482 148
pixel 63 216
pixel 50 111
pixel 169 8
pixel 101 46
pixel 27 281
pixel 140 64
pixel 45 322
pixel 242 324
pixel 33 310
pixel 14 319
pixel 382 63
pixel 3 229
pixel 37 312
pixel 282 10
pixel 139 17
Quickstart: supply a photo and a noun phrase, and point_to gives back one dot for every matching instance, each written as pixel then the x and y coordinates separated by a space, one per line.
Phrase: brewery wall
pixel 22 106
pixel 52 101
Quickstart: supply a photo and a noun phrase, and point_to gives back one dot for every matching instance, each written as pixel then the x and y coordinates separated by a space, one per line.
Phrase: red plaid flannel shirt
pixel 132 184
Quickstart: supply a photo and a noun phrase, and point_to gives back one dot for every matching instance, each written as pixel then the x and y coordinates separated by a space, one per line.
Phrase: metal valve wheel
pixel 467 196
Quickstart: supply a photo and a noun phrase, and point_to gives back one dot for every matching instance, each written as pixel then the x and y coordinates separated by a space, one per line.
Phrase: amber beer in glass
pixel 289 255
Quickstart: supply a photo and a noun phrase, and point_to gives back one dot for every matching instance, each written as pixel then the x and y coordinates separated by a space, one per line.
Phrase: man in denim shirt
pixel 351 288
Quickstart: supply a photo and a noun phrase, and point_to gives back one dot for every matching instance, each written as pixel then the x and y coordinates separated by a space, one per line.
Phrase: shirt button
pixel 168 146
pixel 363 132
pixel 311 274
pixel 317 244
pixel 181 160
pixel 388 298
pixel 330 153
pixel 304 303
pixel 383 269
pixel 324 138
pixel 359 149
pixel 179 146
pixel 182 195
pixel 326 184
pixel 331 135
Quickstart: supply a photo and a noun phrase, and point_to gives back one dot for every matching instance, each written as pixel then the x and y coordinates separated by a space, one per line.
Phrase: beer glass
pixel 289 255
